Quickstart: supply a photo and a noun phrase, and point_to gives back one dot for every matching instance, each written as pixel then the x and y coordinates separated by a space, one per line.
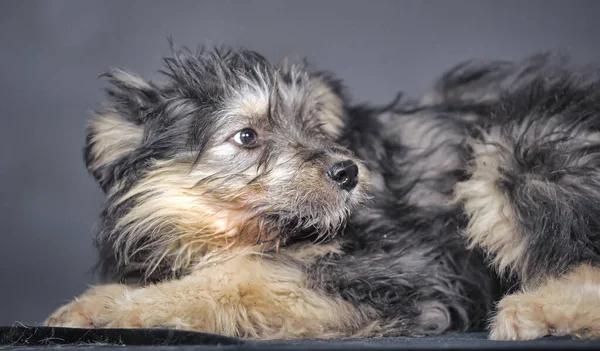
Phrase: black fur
pixel 405 255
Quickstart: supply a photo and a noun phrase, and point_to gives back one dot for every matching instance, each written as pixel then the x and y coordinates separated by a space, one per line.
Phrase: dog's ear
pixel 116 132
pixel 327 92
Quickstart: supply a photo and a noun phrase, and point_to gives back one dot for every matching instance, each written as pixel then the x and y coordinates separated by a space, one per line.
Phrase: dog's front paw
pixel 116 306
pixel 84 313
pixel 551 310
pixel 87 311
pixel 519 318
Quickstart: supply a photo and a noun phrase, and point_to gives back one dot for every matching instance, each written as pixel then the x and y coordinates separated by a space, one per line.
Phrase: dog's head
pixel 229 153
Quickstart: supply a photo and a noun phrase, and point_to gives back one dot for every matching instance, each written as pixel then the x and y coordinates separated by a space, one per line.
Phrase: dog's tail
pixel 532 195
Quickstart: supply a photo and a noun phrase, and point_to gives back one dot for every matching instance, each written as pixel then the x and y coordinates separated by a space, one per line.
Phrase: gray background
pixel 52 51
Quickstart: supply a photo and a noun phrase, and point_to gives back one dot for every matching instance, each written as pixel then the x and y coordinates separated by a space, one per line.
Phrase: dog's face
pixel 230 153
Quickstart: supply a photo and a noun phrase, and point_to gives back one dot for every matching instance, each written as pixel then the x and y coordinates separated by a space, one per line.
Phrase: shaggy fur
pixel 532 197
pixel 334 220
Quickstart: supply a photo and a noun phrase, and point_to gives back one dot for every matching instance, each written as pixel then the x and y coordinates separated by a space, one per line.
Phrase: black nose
pixel 345 174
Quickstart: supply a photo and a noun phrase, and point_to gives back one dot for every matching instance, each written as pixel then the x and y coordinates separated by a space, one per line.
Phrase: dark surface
pixel 147 339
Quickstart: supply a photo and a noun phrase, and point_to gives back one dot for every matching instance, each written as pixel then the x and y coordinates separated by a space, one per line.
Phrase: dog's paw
pixel 519 318
pixel 87 311
pixel 572 311
pixel 115 306
pixel 82 313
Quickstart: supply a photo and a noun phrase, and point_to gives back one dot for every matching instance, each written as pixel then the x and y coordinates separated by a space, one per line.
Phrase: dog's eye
pixel 245 137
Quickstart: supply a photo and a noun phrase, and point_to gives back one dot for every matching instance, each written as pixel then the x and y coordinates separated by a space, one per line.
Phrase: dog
pixel 254 201
pixel 257 201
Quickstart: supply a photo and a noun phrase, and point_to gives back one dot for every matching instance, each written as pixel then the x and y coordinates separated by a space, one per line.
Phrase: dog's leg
pixel 567 305
pixel 246 297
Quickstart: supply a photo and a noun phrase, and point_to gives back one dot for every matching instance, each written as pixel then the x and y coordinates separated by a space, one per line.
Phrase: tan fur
pixel 113 137
pixel 331 107
pixel 249 296
pixel 567 305
pixel 81 312
pixel 196 226
pixel 489 213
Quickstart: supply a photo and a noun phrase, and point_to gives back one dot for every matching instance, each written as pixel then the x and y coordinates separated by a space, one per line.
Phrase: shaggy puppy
pixel 254 201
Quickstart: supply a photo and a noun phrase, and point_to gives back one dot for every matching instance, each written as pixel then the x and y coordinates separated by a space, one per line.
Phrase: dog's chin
pixel 292 230
pixel 308 221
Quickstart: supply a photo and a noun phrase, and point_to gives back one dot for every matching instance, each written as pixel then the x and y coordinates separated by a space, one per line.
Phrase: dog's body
pixel 532 194
pixel 261 204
